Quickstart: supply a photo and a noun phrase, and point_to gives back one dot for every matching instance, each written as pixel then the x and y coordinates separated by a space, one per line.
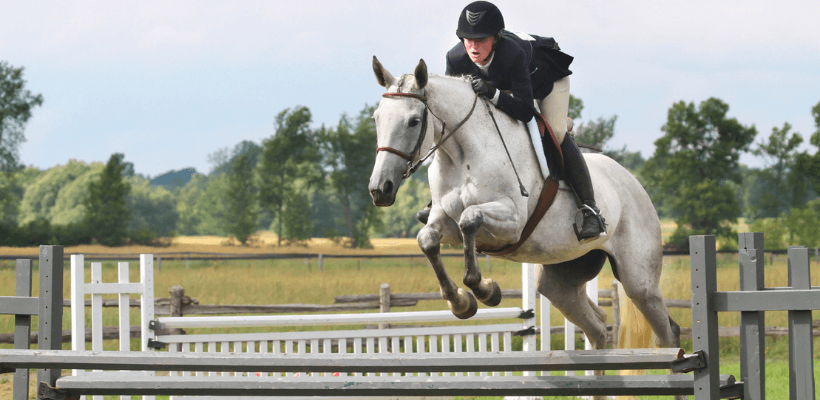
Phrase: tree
pixel 295 224
pixel 9 199
pixel 576 105
pixel 597 133
pixel 58 194
pixel 153 211
pixel 780 187
pixel 107 213
pixel 16 104
pixel 290 156
pixel 692 163
pixel 808 165
pixel 187 197
pixel 803 224
pixel 349 155
pixel 774 231
pixel 224 160
pixel 240 217
pixel 401 220
pixel 211 205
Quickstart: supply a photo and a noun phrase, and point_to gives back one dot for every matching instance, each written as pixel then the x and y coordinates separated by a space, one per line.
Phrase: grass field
pixel 292 281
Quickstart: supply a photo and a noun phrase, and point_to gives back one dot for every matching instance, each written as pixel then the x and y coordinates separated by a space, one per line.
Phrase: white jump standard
pixel 390 373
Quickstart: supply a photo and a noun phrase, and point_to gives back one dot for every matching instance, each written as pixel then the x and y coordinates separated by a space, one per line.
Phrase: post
pixel 177 293
pixel 752 328
pixel 703 258
pixel 321 263
pixel 528 303
pixel 384 302
pixel 51 307
pixel 801 365
pixel 159 262
pixel 545 322
pixel 22 328
pixel 77 312
pixel 124 307
pixel 187 264
pixel 488 262
pixel 616 313
pixel 592 293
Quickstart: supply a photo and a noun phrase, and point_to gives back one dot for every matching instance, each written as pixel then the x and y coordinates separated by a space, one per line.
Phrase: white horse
pixel 477 202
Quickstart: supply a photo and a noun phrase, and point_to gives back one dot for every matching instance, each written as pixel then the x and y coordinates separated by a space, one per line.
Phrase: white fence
pixel 399 341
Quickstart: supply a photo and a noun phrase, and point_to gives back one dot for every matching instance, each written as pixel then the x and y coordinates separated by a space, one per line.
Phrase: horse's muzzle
pixel 383 195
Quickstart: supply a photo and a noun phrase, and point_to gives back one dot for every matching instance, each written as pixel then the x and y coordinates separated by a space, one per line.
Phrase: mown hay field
pixel 299 281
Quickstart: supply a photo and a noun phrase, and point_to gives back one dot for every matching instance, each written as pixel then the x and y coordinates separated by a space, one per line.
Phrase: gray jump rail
pixel 753 300
pixel 72 387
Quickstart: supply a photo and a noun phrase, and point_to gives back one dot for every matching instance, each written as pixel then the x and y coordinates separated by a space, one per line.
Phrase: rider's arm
pixel 515 96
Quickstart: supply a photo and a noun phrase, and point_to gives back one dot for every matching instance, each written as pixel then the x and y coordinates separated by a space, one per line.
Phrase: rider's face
pixel 479 49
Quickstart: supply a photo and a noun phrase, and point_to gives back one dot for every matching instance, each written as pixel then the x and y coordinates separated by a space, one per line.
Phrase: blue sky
pixel 167 83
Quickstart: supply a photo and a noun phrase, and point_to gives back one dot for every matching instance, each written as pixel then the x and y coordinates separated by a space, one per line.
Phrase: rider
pixel 511 69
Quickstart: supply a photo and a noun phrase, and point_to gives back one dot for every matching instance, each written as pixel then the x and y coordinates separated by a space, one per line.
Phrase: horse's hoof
pixel 494 297
pixel 469 310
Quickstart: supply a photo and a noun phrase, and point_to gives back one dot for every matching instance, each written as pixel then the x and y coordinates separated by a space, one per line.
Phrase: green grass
pixel 294 281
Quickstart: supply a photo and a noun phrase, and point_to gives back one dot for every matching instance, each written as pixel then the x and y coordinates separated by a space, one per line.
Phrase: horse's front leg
pixel 462 303
pixel 502 223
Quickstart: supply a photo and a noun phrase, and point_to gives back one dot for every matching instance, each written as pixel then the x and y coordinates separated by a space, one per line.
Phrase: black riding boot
pixel 424 213
pixel 577 174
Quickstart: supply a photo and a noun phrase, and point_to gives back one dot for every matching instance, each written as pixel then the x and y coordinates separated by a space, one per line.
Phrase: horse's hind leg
pixel 640 277
pixel 564 285
pixel 461 303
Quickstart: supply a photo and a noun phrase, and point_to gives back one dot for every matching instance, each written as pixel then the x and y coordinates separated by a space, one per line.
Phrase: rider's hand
pixel 482 87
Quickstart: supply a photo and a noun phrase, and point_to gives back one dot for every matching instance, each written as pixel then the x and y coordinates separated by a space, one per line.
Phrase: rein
pixel 413 167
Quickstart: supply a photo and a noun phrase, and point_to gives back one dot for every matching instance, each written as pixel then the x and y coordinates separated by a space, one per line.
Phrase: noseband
pixel 412 167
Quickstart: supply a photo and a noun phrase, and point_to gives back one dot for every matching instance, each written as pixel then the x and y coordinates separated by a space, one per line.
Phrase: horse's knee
pixel 429 240
pixel 471 220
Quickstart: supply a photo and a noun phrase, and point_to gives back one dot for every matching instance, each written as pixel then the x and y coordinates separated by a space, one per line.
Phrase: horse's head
pixel 401 126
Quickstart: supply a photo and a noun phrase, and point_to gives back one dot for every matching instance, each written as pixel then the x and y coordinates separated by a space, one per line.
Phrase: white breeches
pixel 535 140
pixel 555 108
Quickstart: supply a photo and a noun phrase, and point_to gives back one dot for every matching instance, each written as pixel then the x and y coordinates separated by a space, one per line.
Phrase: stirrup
pixel 579 220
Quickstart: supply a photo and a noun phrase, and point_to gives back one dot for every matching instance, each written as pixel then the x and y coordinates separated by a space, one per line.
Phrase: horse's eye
pixel 414 122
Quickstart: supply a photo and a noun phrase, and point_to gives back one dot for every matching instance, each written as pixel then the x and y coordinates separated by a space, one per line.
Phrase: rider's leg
pixel 555 108
pixel 424 213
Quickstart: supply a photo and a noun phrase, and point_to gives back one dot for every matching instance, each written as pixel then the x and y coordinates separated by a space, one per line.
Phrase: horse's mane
pixel 406 82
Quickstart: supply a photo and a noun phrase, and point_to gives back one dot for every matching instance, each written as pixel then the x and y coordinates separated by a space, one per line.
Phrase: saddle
pixel 552 149
pixel 555 163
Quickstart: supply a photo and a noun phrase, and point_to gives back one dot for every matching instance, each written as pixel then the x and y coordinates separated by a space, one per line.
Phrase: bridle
pixel 412 167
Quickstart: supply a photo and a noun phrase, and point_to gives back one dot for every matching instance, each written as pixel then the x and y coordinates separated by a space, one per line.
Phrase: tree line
pixel 304 182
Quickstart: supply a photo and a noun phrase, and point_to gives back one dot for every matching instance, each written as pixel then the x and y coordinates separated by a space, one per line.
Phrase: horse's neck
pixel 452 100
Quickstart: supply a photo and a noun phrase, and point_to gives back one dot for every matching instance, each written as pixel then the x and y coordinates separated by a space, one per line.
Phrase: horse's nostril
pixel 387 187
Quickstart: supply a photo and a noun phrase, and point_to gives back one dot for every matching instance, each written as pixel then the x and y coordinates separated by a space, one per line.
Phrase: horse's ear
pixel 421 74
pixel 382 75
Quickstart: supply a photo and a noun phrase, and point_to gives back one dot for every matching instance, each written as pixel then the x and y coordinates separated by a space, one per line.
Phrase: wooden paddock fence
pixel 386 370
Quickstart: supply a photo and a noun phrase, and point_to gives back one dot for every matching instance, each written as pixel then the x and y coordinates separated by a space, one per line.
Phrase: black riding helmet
pixel 478 20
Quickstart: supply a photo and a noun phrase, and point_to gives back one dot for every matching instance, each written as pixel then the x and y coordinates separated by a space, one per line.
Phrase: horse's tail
pixel 634 331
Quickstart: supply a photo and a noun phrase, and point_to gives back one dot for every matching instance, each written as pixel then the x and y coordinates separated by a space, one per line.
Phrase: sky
pixel 168 83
